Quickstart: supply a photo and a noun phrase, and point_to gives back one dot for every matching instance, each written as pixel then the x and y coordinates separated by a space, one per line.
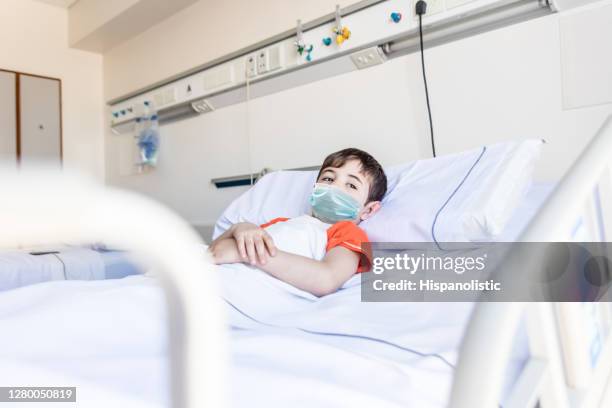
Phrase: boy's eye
pixel 354 187
pixel 327 179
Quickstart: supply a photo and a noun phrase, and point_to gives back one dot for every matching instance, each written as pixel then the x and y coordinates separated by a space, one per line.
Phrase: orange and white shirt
pixel 310 237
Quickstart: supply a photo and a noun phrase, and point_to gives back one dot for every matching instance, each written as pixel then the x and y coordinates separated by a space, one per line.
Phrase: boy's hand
pixel 225 251
pixel 253 242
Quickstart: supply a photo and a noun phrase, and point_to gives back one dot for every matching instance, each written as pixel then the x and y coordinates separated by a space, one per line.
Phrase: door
pixel 8 117
pixel 40 120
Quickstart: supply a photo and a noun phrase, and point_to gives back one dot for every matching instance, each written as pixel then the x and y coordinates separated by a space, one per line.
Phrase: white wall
pixel 501 85
pixel 35 40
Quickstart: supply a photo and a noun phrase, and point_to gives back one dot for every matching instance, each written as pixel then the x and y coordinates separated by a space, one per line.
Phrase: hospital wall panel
pixel 504 84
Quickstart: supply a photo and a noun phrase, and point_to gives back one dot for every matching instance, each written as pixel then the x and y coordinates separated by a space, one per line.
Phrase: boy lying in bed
pixel 316 252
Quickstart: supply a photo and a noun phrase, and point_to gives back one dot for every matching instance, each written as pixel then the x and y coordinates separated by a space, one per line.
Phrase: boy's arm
pixel 253 243
pixel 226 234
pixel 224 251
pixel 244 242
pixel 317 277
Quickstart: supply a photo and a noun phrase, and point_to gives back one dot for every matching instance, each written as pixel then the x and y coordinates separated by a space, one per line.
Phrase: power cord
pixel 56 254
pixel 420 9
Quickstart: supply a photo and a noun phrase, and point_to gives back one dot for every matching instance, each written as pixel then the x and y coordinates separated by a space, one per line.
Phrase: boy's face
pixel 350 179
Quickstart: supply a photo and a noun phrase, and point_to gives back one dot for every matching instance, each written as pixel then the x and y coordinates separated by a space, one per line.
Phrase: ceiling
pixel 60 3
pixel 99 25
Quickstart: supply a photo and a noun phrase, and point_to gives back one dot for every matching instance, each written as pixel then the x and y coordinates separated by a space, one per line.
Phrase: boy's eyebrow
pixel 356 178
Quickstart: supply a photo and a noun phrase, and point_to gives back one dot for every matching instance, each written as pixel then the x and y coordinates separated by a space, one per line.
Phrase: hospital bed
pixel 438 364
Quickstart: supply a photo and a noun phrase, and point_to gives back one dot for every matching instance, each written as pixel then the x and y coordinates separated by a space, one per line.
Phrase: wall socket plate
pixel 251 65
pixel 368 57
pixel 268 60
pixel 262 62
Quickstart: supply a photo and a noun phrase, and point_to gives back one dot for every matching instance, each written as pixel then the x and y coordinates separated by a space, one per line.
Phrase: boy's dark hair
pixel 369 166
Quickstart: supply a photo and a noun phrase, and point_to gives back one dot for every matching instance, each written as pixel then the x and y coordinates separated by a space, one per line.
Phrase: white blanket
pixel 288 348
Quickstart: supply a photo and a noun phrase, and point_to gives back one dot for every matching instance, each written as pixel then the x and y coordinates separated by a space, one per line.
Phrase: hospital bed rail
pixel 489 336
pixel 46 206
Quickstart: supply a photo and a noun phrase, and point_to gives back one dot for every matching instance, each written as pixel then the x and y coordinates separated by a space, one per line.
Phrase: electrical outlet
pixel 433 7
pixel 368 57
pixel 262 62
pixel 268 60
pixel 251 65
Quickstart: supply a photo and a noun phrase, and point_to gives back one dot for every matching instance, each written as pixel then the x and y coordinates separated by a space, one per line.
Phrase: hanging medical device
pixel 146 135
pixel 274 65
pixel 303 49
pixel 341 31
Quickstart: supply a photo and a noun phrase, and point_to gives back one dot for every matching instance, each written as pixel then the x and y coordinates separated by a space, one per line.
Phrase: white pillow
pixel 462 197
pixel 493 203
pixel 277 194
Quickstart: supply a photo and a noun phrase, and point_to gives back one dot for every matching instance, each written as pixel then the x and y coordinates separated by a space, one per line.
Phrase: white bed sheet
pixel 109 337
pixel 79 330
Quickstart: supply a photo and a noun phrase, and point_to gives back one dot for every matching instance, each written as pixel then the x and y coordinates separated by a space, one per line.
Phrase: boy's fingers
pixel 270 244
pixel 250 248
pixel 240 245
pixel 261 250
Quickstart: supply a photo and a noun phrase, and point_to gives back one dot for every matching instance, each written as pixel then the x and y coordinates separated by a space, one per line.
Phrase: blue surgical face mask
pixel 330 204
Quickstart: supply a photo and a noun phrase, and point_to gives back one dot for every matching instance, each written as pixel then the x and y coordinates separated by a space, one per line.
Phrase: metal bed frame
pixel 542 380
pixel 76 209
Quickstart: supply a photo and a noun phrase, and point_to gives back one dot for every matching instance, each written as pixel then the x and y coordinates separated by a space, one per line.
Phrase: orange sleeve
pixel 350 236
pixel 274 221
